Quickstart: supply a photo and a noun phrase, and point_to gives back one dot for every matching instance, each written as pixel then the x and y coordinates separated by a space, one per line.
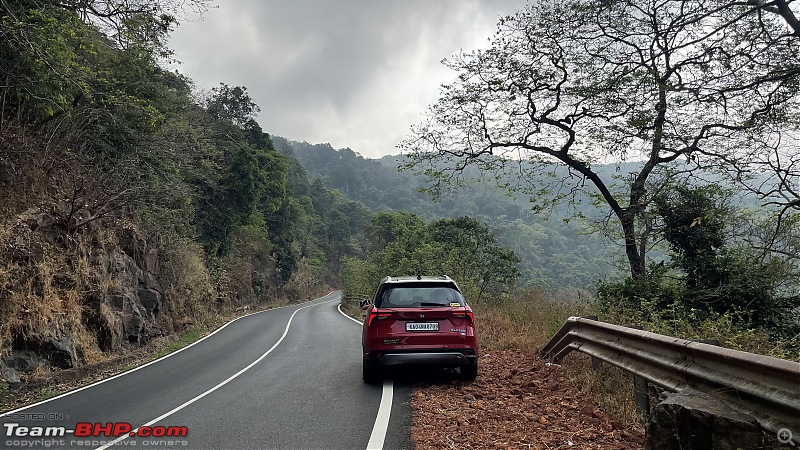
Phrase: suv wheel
pixel 370 373
pixel 469 372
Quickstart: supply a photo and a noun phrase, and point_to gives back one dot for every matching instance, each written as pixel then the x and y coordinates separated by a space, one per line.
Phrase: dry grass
pixel 528 321
pixel 351 307
pixel 305 283
pixel 610 386
pixel 187 281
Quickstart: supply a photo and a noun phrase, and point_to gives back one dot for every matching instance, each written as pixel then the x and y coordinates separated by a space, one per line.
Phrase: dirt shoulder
pixel 517 402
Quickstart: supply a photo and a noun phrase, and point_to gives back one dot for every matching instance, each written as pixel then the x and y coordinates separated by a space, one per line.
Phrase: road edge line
pixel 378 435
pixel 65 394
pixel 339 307
pixel 219 385
pixel 381 426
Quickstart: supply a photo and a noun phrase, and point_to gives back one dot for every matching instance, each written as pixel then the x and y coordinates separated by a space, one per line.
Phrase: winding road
pixel 287 378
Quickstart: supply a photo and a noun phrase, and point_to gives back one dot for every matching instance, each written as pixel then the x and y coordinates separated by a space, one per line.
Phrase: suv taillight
pixel 466 314
pixel 375 314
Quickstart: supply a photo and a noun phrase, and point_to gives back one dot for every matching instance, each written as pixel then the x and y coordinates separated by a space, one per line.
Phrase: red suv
pixel 418 321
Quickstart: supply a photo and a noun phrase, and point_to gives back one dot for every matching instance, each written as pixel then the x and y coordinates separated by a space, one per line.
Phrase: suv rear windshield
pixel 415 295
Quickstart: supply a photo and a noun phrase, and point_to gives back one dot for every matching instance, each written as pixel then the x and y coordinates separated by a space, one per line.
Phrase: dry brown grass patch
pixel 526 323
pixel 608 385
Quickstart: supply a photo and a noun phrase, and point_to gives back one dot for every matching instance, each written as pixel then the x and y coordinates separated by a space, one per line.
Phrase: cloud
pixel 355 73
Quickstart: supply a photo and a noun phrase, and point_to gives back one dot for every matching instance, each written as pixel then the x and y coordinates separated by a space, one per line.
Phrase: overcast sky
pixel 355 73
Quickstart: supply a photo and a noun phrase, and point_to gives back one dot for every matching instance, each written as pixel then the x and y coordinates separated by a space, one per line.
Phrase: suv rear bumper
pixel 427 358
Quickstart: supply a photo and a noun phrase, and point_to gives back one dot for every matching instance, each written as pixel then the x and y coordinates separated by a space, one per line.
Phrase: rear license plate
pixel 422 326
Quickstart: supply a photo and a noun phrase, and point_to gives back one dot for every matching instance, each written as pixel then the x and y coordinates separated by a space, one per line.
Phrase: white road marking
pixel 151 362
pixel 384 410
pixel 339 307
pixel 223 383
pixel 382 419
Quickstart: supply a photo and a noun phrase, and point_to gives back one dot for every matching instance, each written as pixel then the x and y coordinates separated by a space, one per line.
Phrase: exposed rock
pixel 30 352
pixel 133 324
pixel 693 420
pixel 124 303
pixel 151 261
pixel 138 298
pixel 148 281
pixel 7 172
pixel 23 360
pixel 118 302
pixel 8 374
pixel 105 323
pixel 151 300
pixel 109 335
pixel 62 354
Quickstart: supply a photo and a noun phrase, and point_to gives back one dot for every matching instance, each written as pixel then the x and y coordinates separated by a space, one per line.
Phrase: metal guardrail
pixel 763 387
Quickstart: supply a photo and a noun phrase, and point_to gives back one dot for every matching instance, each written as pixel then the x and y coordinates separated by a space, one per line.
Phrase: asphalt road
pixel 288 378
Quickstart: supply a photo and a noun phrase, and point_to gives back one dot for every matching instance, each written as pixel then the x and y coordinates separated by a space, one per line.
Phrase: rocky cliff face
pixel 67 298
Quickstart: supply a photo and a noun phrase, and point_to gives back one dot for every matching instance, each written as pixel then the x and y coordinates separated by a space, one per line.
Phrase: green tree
pixel 232 104
pixel 474 255
pixel 712 275
pixel 388 227
pixel 694 226
pixel 401 243
pixel 566 84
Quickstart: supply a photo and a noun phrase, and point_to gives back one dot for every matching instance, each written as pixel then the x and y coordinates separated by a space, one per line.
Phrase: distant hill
pixel 555 254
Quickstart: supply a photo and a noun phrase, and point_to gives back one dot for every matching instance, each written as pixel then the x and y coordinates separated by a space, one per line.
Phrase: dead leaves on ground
pixel 517 402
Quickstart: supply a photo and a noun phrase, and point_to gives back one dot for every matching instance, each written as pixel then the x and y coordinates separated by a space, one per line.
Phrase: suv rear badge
pixel 421 315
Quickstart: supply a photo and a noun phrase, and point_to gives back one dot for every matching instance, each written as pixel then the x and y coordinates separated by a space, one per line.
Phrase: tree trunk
pixel 635 260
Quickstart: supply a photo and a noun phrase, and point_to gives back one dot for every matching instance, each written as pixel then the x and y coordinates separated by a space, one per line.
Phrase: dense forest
pixel 135 205
pixel 560 247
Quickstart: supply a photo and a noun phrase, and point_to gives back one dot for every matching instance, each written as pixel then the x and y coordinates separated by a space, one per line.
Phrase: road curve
pixel 288 378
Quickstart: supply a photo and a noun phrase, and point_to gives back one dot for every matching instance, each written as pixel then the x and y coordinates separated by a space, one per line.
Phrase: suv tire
pixel 469 372
pixel 370 373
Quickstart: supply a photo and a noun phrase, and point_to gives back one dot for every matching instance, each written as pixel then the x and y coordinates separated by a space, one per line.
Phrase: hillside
pixel 557 246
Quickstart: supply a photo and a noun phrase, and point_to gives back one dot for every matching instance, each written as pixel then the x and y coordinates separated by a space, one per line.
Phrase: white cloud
pixel 355 73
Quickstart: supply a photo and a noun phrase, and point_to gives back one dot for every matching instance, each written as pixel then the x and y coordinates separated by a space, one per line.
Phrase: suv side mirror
pixel 365 304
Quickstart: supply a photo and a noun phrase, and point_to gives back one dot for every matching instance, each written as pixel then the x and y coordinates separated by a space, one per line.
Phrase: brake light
pixel 466 314
pixel 375 314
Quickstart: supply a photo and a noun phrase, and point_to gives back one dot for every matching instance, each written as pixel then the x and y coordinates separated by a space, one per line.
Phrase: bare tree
pixel 683 87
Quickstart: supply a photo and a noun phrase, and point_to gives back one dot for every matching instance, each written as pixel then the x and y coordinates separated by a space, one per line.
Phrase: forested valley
pixel 136 205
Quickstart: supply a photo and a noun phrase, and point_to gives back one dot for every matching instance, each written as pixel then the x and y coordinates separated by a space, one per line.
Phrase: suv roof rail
pixel 389 278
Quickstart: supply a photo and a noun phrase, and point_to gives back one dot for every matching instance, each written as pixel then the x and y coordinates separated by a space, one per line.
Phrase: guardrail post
pixel 641 388
pixel 596 362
